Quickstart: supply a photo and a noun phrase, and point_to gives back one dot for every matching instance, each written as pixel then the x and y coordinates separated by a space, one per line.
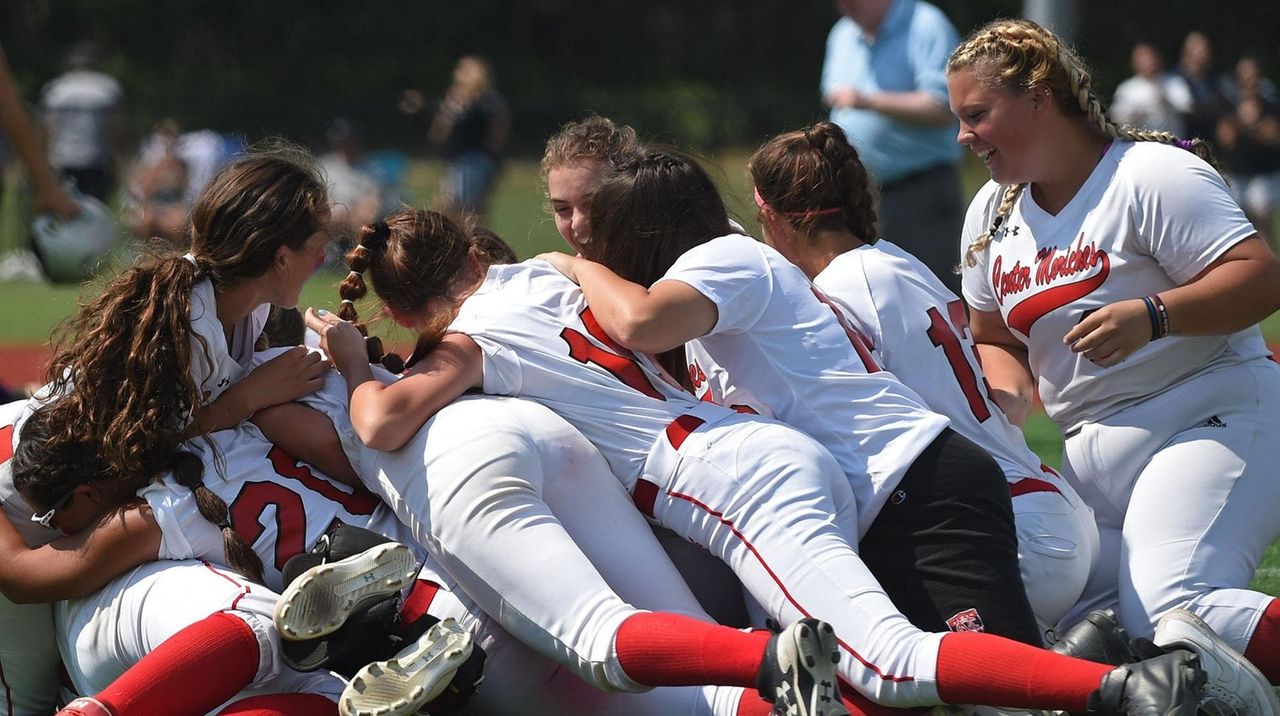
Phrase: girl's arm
pixel 387 416
pixel 287 377
pixel 79 564
pixel 647 320
pixel 1004 361
pixel 1237 290
pixel 308 435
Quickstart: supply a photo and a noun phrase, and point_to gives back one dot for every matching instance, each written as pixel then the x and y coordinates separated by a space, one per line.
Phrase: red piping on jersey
pixel 681 428
pixel 245 587
pixel 772 575
pixel 1026 313
pixel 1028 485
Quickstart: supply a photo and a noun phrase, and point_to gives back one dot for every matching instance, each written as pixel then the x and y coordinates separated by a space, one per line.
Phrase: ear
pixel 94 494
pixel 281 259
pixel 1041 95
pixel 400 319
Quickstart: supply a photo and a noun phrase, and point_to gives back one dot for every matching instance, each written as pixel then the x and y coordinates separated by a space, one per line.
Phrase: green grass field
pixel 34 309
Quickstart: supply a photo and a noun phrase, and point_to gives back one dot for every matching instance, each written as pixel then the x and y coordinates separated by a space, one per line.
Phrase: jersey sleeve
pixel 975 285
pixel 732 273
pixel 184 533
pixel 501 367
pixel 1185 211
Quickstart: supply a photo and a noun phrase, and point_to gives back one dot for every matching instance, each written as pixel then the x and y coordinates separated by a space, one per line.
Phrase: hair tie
pixel 192 258
pixel 346 302
pixel 1184 144
pixel 762 204
pixel 355 274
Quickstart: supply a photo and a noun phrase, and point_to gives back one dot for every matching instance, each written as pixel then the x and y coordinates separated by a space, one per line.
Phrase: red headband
pixel 760 202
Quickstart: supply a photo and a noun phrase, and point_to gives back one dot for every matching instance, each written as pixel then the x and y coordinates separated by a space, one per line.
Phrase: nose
pixel 964 137
pixel 581 224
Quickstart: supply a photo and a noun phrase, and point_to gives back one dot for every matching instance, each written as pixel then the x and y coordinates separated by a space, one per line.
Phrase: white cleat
pixel 418 674
pixel 1235 687
pixel 319 601
pixel 799 671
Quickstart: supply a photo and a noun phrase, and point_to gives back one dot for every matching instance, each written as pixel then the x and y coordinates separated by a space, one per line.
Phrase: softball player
pixel 167 341
pixel 1113 268
pixel 29 663
pixel 767 500
pixel 814 206
pixel 934 520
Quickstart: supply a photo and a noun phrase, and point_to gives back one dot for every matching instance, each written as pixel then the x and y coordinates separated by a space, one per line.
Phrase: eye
pixel 976 115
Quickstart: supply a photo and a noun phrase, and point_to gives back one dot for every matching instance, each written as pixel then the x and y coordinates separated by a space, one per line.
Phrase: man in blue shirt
pixel 884 78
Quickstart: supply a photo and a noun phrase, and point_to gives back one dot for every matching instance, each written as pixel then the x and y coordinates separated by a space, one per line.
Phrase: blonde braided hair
pixel 1019 54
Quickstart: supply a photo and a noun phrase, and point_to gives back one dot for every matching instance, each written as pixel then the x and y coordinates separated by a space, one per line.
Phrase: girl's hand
pixel 340 339
pixel 564 263
pixel 287 377
pixel 1112 333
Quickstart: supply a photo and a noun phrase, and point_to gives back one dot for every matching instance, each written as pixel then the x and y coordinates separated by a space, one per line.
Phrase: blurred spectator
pixel 884 78
pixel 470 127
pixel 1207 100
pixel 354 191
pixel 156 186
pixel 1151 99
pixel 170 172
pixel 83 111
pixel 1248 142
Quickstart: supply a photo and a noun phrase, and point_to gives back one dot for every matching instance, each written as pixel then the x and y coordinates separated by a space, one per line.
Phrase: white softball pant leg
pixel 1057 547
pixel 107 632
pixel 522 527
pixel 1184 488
pixel 29 662
pixel 775 506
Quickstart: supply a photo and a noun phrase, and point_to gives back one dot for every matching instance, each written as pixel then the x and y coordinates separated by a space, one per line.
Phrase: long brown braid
pixel 815 180
pixel 1018 54
pixel 412 257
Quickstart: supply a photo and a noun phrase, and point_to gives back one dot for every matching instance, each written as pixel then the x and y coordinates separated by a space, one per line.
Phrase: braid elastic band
pixel 355 274
pixel 761 203
pixel 225 522
pixel 1184 144
pixel 361 247
pixel 1153 316
pixel 1164 315
pixel 192 258
pixel 346 302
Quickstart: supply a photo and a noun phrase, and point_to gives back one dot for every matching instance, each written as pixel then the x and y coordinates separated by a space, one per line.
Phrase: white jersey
pixel 1150 217
pixel 919 330
pixel 12 417
pixel 217 360
pixel 279 505
pixel 781 350
pixel 540 342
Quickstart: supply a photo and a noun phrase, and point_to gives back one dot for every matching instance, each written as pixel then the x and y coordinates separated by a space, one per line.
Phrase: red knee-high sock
pixel 191 672
pixel 976 668
pixel 1264 646
pixel 659 649
pixel 282 705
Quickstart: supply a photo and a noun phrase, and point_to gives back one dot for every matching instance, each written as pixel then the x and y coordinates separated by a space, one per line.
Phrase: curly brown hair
pixel 122 363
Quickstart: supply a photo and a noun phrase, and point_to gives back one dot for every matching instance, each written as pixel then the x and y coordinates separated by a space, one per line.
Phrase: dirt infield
pixel 21 366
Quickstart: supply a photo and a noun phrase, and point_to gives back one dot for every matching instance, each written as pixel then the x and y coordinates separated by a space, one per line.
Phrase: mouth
pixel 986 156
